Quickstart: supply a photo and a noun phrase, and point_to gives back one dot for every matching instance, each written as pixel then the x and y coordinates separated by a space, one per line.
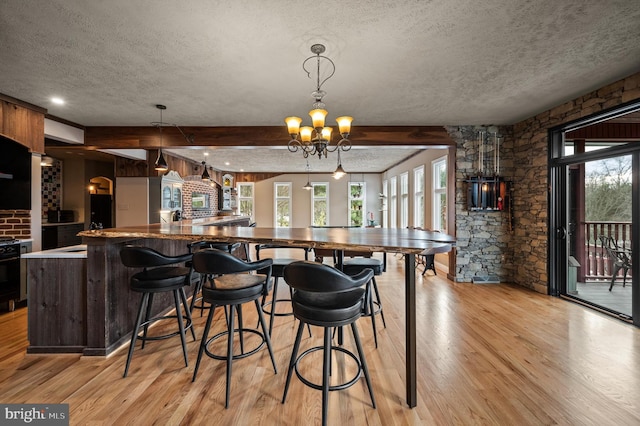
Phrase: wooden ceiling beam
pixel 258 136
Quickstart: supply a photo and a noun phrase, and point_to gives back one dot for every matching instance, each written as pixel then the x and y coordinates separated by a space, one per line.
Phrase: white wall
pixel 132 201
pixel 301 198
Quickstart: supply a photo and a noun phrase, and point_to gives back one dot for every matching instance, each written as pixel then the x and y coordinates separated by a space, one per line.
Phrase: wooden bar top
pixel 368 239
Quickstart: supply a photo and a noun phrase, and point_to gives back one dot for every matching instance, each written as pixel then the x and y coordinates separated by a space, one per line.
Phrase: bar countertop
pixel 371 239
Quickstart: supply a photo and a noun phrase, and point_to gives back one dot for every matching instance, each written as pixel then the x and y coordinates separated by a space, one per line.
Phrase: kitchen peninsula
pixel 79 297
pixel 113 309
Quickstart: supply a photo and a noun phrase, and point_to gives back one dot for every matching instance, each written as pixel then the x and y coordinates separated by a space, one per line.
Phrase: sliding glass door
pixel 595 216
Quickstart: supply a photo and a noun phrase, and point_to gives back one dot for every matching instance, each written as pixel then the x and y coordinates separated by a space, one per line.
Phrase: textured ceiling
pixel 238 63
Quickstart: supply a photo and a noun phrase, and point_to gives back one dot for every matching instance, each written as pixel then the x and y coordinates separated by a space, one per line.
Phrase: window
pixel 404 200
pixel 245 199
pixel 383 204
pixel 418 197
pixel 282 193
pixel 356 203
pixel 393 202
pixel 439 167
pixel 320 204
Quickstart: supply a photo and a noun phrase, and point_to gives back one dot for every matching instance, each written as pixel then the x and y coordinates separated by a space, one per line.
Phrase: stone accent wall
pixel 529 245
pixel 483 237
pixel 485 246
pixel 15 223
pixel 195 184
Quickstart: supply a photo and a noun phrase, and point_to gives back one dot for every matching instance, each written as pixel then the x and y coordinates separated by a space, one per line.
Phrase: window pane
pixel 246 191
pixel 246 207
pixel 320 212
pixel 442 212
pixel 319 191
pixel 283 213
pixel 282 190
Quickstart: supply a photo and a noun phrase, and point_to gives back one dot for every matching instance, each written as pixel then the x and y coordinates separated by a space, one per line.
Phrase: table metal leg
pixel 410 327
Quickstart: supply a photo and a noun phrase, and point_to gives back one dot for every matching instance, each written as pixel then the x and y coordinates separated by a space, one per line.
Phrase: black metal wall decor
pixel 488 191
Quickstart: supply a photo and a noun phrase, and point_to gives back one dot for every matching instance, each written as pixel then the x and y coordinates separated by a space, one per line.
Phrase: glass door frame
pixel 558 225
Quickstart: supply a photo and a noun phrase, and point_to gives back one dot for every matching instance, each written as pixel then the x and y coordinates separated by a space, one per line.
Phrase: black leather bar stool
pixel 159 275
pixel 230 284
pixel 199 278
pixel 373 304
pixel 324 296
pixel 279 263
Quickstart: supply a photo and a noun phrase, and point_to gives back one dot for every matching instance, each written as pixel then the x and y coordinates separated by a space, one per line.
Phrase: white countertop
pixel 70 252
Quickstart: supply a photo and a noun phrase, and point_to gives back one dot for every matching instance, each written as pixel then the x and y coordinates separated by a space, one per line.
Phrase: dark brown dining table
pixel 410 242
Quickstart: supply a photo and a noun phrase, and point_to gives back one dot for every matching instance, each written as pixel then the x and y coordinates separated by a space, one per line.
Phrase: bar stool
pixel 373 305
pixel 277 271
pixel 324 296
pixel 157 276
pixel 199 278
pixel 231 285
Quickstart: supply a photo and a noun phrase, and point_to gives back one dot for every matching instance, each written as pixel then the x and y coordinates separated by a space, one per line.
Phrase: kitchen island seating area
pixel 108 328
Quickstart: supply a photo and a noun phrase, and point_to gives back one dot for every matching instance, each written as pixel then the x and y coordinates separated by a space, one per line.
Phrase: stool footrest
pixel 235 356
pixel 340 386
pixel 188 324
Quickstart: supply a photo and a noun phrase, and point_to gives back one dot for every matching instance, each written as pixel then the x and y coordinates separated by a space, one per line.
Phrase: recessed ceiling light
pixel 226 163
pixel 242 170
pixel 206 153
pixel 57 101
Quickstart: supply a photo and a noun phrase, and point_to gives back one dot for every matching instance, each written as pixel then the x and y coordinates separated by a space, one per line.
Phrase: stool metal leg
pixel 232 309
pixel 363 362
pixel 375 289
pixel 372 312
pixel 292 362
pixel 203 342
pixel 267 338
pixel 326 372
pixel 187 312
pixel 134 336
pixel 183 336
pixel 147 318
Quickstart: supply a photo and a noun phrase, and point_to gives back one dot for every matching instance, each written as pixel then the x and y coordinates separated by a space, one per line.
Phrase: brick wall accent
pixel 15 223
pixel 194 184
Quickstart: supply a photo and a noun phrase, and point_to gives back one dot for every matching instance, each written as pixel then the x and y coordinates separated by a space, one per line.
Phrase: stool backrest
pixel 319 278
pixel 145 257
pixel 218 262
pixel 260 247
pixel 201 245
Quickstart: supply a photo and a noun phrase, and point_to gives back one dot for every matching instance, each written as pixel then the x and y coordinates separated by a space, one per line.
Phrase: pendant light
pixel 339 170
pixel 161 163
pixel 308 185
pixel 205 173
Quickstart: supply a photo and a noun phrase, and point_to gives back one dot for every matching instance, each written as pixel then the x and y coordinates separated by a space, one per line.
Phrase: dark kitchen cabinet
pixel 62 235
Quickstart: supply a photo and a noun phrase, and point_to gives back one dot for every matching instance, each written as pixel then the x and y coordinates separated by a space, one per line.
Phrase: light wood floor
pixel 487 354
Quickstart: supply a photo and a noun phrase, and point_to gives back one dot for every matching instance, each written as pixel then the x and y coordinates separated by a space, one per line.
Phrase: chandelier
pixel 316 139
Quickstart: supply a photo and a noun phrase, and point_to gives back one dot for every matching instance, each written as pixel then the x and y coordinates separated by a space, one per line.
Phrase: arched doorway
pixel 101 201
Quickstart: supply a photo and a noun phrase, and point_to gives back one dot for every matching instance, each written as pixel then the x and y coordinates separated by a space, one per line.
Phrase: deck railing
pixel 597 265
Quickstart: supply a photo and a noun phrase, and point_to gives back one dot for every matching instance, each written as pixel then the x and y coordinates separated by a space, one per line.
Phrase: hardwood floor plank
pixel 490 354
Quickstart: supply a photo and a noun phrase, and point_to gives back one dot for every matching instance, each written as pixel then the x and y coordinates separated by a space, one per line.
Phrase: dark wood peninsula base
pixel 85 305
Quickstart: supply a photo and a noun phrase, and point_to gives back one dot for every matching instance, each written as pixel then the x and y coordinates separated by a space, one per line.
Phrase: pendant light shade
pixel 205 173
pixel 161 163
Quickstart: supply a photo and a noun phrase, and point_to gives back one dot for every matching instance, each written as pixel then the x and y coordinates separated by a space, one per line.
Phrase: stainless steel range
pixel 9 271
